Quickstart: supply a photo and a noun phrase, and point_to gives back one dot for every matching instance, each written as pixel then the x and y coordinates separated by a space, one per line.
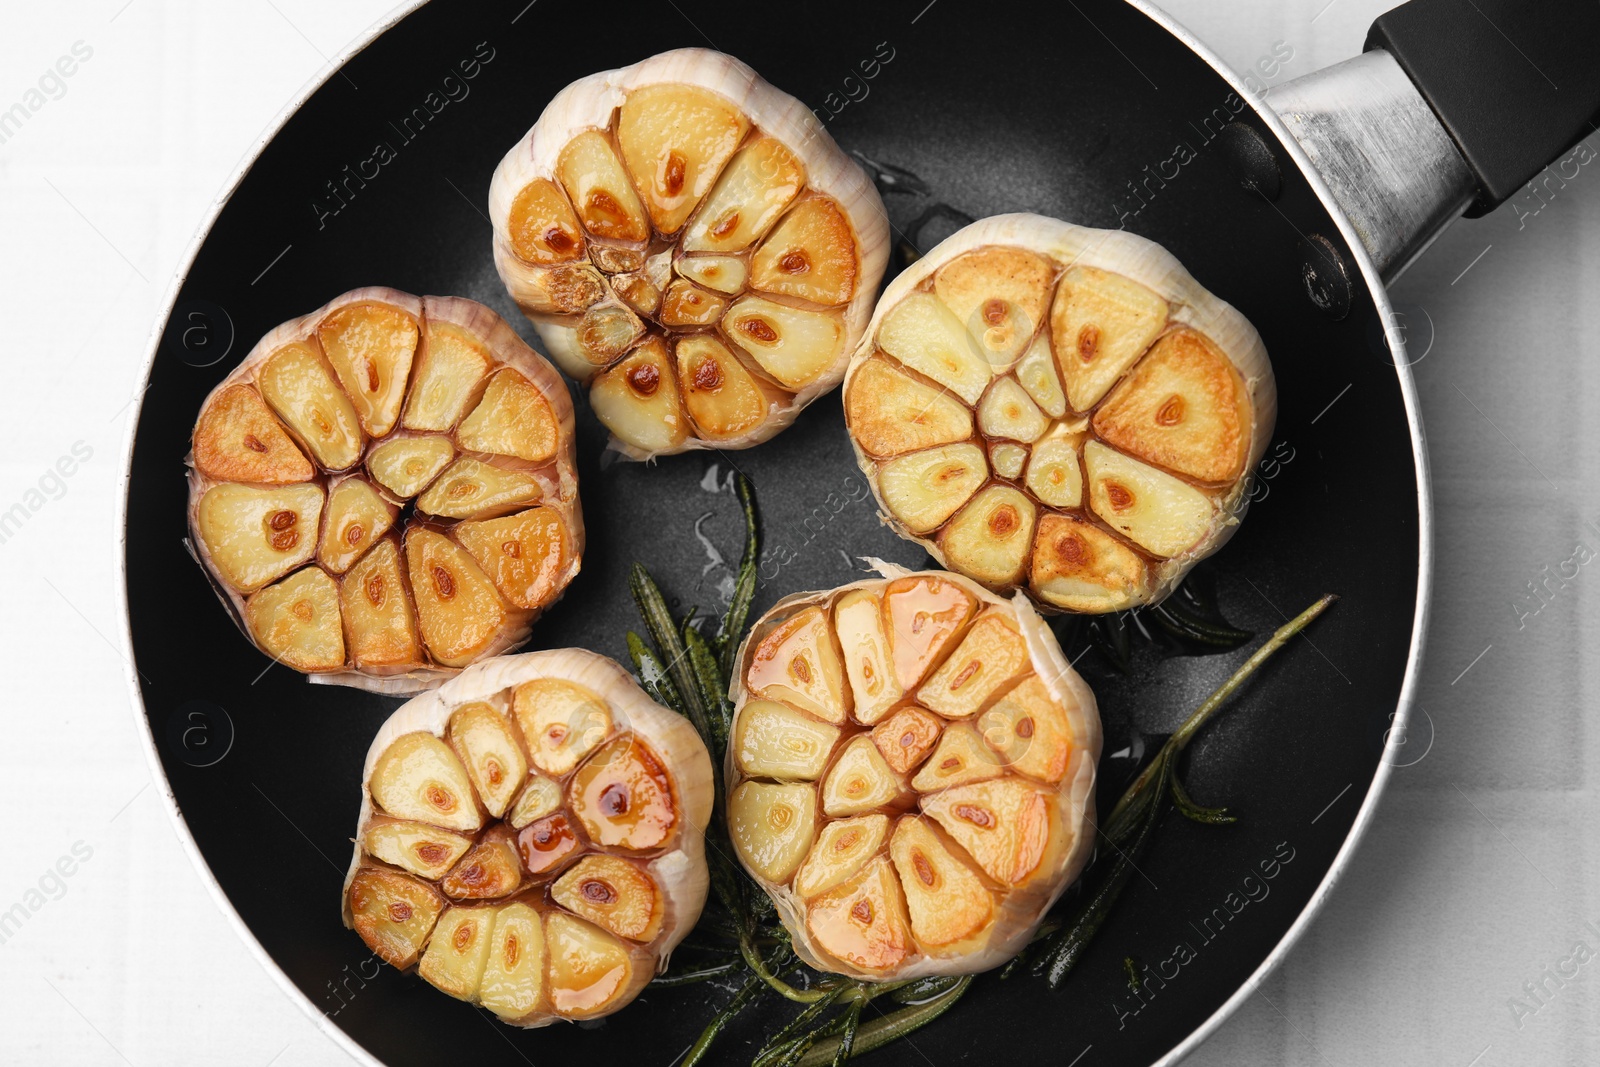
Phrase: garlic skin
pixel 673 868
pixel 620 278
pixel 1122 408
pixel 964 919
pixel 369 434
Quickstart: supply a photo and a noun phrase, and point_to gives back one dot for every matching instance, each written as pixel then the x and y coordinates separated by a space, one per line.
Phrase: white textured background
pixel 1472 882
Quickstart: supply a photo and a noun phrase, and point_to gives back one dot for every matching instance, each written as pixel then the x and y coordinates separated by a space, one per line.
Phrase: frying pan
pixel 960 111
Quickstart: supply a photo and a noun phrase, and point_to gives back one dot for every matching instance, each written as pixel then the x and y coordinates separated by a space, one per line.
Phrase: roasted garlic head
pixel 692 245
pixel 1061 410
pixel 532 837
pixel 385 490
pixel 911 773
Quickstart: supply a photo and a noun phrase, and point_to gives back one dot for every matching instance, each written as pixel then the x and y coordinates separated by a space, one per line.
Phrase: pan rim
pixel 1370 277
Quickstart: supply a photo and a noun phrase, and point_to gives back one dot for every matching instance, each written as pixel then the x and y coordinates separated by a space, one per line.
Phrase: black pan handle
pixel 1514 82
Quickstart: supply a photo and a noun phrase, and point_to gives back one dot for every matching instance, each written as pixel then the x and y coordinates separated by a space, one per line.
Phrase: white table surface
pixel 1471 883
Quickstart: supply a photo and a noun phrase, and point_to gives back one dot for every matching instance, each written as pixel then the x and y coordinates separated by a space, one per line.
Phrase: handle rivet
pixel 1325 276
pixel 1251 159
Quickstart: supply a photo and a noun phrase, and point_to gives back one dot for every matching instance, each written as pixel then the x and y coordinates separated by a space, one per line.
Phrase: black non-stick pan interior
pixel 1076 111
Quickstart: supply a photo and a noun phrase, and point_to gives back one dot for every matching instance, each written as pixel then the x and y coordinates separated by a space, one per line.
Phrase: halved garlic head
pixel 690 243
pixel 911 773
pixel 386 490
pixel 531 837
pixel 1059 410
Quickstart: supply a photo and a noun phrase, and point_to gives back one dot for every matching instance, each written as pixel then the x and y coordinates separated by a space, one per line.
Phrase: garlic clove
pixel 946 902
pixel 798 663
pixel 622 796
pixel 450 369
pixel 614 894
pixel 490 871
pixel 470 488
pixel 1054 475
pixel 862 921
pixel 990 655
pixel 353 520
pixel 906 737
pixel 686 304
pixel 512 419
pixel 772 826
pixel 609 330
pixel 776 741
pixel 1100 323
pixel 380 626
pixel 1030 731
pixel 811 255
pixel 539 797
pixel 460 614
pixel 425 851
pixel 393 913
pixel 925 335
pixel 925 488
pixel 1008 459
pixel 297 621
pixel 1079 567
pixel 600 189
pixel 512 985
pixel 1164 515
pixel 1000 295
pixel 960 757
pixel 925 614
pixel 1007 411
pixel 723 399
pixel 371 346
pixel 637 400
pixel 524 554
pixel 754 190
pixel 725 274
pixel 1004 824
pixel 254 536
pixel 676 139
pixel 547 844
pixel 860 781
pixel 842 849
pixel 991 537
pixel 458 951
pixel 561 722
pixel 590 971
pixel 794 345
pixel 890 413
pixel 421 778
pixel 1036 372
pixel 858 621
pixel 299 386
pixel 405 465
pixel 238 438
pixel 1185 407
pixel 482 737
pixel 543 228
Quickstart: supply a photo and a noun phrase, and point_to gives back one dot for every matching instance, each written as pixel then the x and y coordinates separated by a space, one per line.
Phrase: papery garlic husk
pixel 386 490
pixel 542 802
pixel 1059 409
pixel 680 198
pixel 911 773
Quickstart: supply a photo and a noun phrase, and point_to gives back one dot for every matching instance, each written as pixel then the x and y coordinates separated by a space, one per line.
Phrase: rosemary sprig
pixel 1127 830
pixel 744 587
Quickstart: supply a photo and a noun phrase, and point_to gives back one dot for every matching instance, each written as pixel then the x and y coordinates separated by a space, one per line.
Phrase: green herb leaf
pixel 744 588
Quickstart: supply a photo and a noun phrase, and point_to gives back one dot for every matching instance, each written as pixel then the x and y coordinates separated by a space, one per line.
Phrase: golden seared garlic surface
pixel 531 837
pixel 911 773
pixel 385 490
pixel 692 245
pixel 1060 410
